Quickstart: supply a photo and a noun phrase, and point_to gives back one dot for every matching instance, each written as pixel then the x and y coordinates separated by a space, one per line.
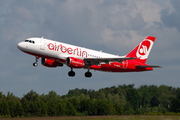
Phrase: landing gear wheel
pixel 88 74
pixel 35 64
pixel 71 73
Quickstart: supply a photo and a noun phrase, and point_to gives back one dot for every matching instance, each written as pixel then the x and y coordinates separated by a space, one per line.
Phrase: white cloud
pixel 150 11
pixel 118 39
pixel 30 78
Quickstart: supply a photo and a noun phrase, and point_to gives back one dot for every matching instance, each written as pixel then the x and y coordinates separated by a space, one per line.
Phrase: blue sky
pixel 114 26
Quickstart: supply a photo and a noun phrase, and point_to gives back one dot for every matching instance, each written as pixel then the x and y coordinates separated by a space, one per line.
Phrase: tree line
pixel 115 100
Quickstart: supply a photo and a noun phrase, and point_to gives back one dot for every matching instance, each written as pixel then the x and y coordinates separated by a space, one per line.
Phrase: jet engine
pixel 74 62
pixel 50 63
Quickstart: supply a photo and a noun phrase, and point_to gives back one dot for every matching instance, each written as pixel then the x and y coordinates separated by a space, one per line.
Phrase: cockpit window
pixel 30 41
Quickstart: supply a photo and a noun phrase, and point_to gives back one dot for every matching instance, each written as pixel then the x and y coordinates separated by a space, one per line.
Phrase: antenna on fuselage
pixel 42 37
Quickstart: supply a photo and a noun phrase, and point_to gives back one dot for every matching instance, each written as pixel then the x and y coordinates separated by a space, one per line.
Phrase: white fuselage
pixel 60 50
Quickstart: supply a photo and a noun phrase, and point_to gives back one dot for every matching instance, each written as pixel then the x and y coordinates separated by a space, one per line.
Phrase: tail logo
pixel 144 49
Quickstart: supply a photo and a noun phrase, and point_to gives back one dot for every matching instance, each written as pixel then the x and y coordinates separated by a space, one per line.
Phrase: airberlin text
pixel 69 50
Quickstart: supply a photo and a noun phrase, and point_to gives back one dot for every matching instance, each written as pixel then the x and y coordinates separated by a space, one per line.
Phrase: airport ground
pixel 121 117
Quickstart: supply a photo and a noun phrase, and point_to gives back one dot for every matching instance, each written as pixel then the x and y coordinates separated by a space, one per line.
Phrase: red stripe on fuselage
pixel 112 67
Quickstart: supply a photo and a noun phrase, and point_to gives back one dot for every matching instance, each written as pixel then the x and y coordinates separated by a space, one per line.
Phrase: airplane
pixel 56 54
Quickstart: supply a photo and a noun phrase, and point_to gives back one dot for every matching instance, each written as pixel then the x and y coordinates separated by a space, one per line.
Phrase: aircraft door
pixel 125 64
pixel 42 44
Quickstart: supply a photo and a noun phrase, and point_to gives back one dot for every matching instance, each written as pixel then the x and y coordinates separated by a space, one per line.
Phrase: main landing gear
pixel 72 73
pixel 88 74
pixel 35 63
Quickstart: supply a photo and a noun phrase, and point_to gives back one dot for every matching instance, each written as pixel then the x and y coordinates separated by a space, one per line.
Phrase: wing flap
pixel 96 61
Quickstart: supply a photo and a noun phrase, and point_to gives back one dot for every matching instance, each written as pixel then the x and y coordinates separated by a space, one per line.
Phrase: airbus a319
pixel 55 54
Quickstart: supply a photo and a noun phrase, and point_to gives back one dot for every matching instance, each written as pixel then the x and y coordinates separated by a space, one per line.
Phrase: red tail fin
pixel 141 52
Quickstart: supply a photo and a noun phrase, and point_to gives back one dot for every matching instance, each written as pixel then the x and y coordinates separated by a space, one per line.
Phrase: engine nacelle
pixel 50 63
pixel 74 62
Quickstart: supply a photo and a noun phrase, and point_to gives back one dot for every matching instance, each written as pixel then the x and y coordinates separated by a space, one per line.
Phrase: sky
pixel 113 26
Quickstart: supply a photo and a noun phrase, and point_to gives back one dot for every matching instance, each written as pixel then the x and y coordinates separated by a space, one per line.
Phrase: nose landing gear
pixel 35 63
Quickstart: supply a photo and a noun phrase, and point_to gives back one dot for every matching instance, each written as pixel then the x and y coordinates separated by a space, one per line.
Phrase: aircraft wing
pixel 97 61
pixel 149 66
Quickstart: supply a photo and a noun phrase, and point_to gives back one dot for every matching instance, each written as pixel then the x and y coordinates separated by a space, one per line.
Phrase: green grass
pixel 128 117
pixel 149 117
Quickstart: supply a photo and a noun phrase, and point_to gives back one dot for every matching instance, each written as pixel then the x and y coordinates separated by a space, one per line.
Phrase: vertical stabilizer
pixel 141 52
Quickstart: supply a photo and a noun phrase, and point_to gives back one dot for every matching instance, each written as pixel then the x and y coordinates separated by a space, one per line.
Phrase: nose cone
pixel 20 46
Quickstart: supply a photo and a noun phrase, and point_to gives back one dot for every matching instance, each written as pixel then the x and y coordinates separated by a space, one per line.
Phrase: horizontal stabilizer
pixel 149 66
